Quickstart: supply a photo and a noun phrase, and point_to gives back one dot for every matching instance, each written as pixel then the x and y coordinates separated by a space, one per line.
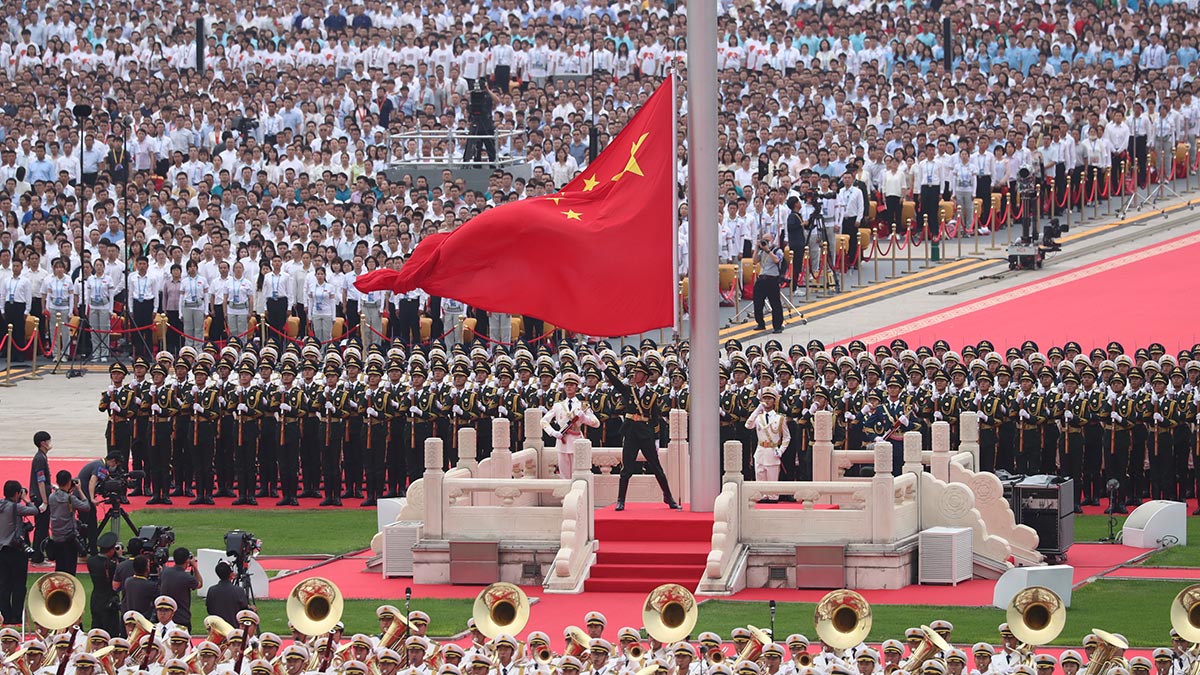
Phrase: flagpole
pixel 704 432
pixel 678 303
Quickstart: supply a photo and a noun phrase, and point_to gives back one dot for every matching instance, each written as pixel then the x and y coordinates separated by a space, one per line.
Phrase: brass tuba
pixel 543 656
pixel 842 618
pixel 577 641
pixel 1036 616
pixel 56 601
pixel 753 649
pixel 715 656
pixel 501 608
pixel 669 613
pixel 314 606
pixel 1185 619
pixel 929 647
pixel 1106 657
pixel 218 629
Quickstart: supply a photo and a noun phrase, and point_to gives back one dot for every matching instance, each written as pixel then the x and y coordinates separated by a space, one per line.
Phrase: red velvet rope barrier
pixel 285 336
pixel 425 342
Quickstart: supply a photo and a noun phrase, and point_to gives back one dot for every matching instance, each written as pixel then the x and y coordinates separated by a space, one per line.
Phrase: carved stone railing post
pixel 435 499
pixel 581 470
pixel 533 430
pixel 501 449
pixel 822 452
pixel 883 523
pixel 912 452
pixel 466 451
pixel 968 437
pixel 677 455
pixel 939 465
pixel 733 463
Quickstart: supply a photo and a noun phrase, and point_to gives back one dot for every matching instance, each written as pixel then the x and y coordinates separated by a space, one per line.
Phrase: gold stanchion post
pixel 925 247
pixel 33 370
pixel 8 360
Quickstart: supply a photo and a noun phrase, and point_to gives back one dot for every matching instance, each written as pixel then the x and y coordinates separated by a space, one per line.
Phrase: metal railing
pixel 456 141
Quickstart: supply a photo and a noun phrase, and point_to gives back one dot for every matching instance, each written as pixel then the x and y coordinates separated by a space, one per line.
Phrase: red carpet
pixel 1168 573
pixel 647 545
pixel 1147 286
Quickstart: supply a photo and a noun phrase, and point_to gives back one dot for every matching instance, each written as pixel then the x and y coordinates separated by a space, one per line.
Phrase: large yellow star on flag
pixel 571 214
pixel 632 165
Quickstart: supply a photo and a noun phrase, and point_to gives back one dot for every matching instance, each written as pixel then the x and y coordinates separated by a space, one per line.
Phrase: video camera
pixel 1050 234
pixel 241 546
pixel 156 545
pixel 117 485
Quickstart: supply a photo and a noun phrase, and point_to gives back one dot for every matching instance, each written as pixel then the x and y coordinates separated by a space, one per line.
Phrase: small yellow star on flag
pixel 572 215
pixel 590 184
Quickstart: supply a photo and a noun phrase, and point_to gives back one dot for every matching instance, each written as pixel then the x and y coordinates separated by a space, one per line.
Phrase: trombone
pixel 1036 616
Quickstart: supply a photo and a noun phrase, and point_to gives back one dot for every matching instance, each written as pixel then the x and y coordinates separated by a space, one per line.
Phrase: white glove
pixel 813 408
pixel 981 415
pixel 846 396
pixel 285 407
pixel 1111 397
pixel 155 408
pixel 760 408
pixel 457 410
pixel 414 410
pixel 197 408
pixel 114 407
pixel 112 388
pixel 354 404
pixel 372 412
pixel 937 415
pixel 503 412
pixel 195 390
pixel 1115 417
pixel 849 416
pixel 904 420
pixel 395 404
pixel 137 400
pixel 329 406
pixel 1024 414
pixel 153 389
pixel 866 410
pixel 1068 416
pixel 1158 417
pixel 243 408
pixel 978 399
pixel 221 400
pixel 555 434
pixel 880 439
pixel 723 412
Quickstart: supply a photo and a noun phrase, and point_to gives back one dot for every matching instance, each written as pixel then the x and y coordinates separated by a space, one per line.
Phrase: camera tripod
pixel 1164 187
pixel 115 511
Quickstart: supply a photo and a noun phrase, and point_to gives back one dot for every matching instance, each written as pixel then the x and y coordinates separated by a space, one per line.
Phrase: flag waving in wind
pixel 594 257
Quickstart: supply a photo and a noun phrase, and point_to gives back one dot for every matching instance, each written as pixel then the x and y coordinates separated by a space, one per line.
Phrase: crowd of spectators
pixel 279 146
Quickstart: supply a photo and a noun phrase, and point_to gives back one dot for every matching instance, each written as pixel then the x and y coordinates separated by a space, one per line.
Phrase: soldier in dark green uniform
pixel 292 405
pixel 206 413
pixel 1118 415
pixel 1160 415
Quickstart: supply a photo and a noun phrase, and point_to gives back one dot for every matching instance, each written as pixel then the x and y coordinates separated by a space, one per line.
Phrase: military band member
pixel 291 404
pixel 565 420
pixel 206 411
pixel 118 402
pixel 246 405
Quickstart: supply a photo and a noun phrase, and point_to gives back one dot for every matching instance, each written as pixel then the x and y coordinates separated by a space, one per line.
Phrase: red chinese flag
pixel 593 258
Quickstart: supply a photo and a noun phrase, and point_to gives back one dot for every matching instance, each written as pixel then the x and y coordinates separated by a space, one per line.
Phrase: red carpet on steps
pixel 1148 286
pixel 646 545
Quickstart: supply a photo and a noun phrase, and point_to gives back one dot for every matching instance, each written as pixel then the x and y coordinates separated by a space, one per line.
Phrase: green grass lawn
pixel 1137 609
pixel 283 532
pixel 1095 528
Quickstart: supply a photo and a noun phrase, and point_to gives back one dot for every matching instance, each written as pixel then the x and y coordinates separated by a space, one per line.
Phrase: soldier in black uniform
pixel 1118 415
pixel 356 396
pixel 118 402
pixel 226 428
pixel 333 404
pixel 1181 442
pixel 600 399
pixel 182 450
pixel 377 414
pixel 163 405
pixel 206 411
pixel 1073 412
pixel 291 403
pixel 891 418
pixel 268 428
pixel 311 433
pixel 419 408
pixel 642 405
pixel 1160 415
pixel 1028 414
pixel 396 414
pixel 1093 443
pixel 849 411
pixel 1051 399
pixel 989 408
pixel 139 448
pixel 1137 447
pixel 246 405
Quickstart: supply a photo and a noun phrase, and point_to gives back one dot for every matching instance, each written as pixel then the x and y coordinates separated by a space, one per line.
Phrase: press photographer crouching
pixel 14 548
pixel 64 544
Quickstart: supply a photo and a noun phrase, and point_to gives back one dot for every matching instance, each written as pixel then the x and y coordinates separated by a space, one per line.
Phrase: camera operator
pixel 139 590
pixel 822 224
pixel 766 287
pixel 64 529
pixel 178 582
pixel 92 477
pixel 1027 185
pixel 225 599
pixel 795 235
pixel 124 571
pixel 102 567
pixel 14 548
pixel 479 119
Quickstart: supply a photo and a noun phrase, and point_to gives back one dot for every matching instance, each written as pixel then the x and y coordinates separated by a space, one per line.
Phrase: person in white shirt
pixel 773 436
pixel 565 420
pixel 143 298
pixel 238 292
pixel 321 300
pixel 194 302
pixel 851 211
pixel 277 292
pixel 98 299
pixel 58 296
pixel 17 300
pixel 894 185
pixel 964 190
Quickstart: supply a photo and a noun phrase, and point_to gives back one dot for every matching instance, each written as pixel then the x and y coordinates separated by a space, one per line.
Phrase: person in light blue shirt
pixel 40 167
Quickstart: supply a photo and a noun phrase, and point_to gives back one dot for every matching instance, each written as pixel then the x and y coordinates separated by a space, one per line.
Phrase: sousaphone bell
pixel 501 608
pixel 315 606
pixel 1036 616
pixel 56 601
pixel 842 618
pixel 669 613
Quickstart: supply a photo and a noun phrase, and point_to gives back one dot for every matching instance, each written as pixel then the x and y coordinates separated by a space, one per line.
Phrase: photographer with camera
pixel 769 257
pixel 64 543
pixel 178 582
pixel 14 548
pixel 105 603
pixel 93 478
pixel 139 589
pixel 481 123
